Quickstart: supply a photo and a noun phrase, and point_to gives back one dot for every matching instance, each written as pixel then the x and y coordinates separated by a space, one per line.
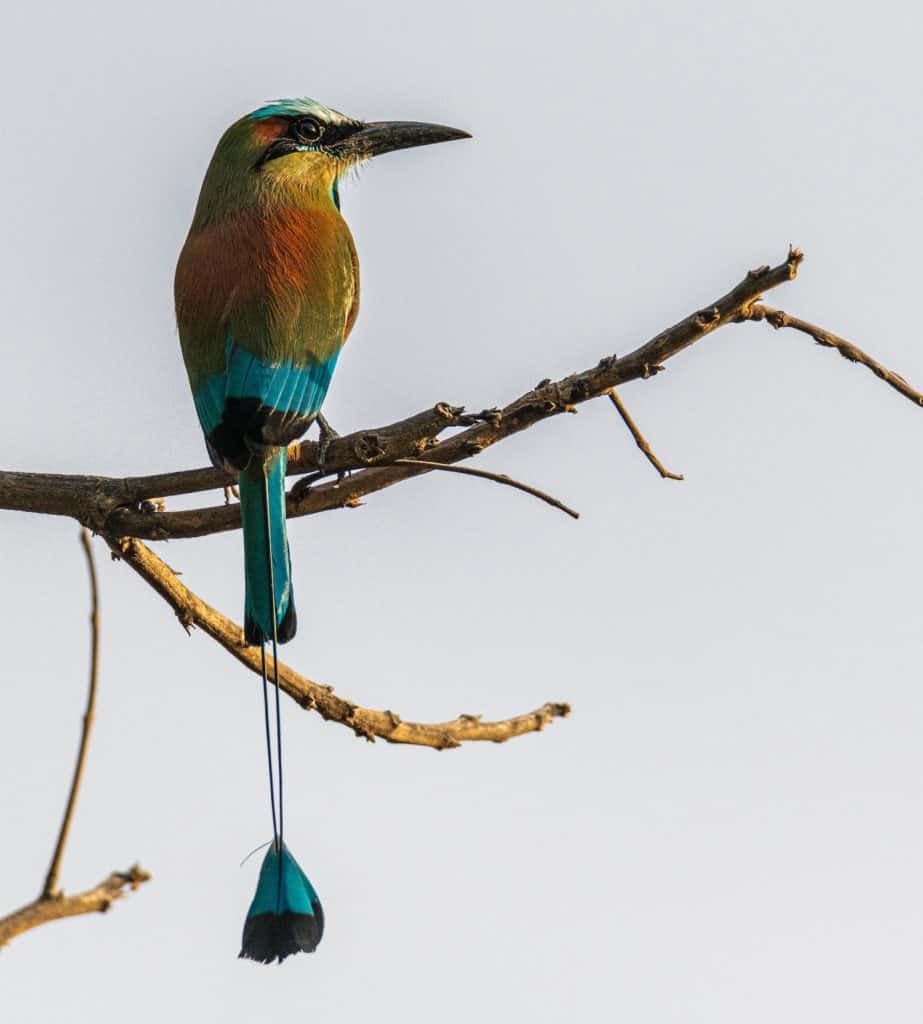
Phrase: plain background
pixel 729 826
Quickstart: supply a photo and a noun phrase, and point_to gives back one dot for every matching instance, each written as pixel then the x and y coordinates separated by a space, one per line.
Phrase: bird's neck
pixel 282 194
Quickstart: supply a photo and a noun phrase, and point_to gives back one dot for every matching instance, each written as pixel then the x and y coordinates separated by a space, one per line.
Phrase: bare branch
pixel 113 505
pixel 191 610
pixel 123 510
pixel 91 499
pixel 779 318
pixel 640 439
pixel 50 888
pixel 51 908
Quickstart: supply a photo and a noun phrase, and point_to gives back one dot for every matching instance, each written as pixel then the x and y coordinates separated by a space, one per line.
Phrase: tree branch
pixel 93 498
pixel 124 510
pixel 191 610
pixel 96 900
pixel 114 506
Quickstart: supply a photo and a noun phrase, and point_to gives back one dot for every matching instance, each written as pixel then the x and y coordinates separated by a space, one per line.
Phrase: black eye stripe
pixel 310 130
pixel 296 137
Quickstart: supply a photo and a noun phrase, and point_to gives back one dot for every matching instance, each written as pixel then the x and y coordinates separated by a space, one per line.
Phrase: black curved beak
pixel 376 137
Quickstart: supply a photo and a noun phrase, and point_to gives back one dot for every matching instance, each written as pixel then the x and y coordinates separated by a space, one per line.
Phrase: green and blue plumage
pixel 267 292
pixel 267 289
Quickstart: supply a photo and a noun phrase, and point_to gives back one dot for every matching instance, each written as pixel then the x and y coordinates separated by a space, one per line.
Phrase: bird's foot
pixel 327 436
pixel 229 491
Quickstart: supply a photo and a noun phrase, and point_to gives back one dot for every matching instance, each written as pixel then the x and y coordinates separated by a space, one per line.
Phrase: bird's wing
pixel 254 404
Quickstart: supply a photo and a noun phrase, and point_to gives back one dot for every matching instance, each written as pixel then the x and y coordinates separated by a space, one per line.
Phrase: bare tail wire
pixel 275 673
pixel 272 792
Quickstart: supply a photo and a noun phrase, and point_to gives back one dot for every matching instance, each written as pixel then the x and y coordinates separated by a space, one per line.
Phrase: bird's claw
pixel 327 436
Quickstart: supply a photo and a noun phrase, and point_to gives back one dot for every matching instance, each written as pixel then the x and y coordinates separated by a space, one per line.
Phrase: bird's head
pixel 302 147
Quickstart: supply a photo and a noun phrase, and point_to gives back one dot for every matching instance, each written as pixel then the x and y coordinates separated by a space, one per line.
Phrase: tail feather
pixel 285 916
pixel 254 483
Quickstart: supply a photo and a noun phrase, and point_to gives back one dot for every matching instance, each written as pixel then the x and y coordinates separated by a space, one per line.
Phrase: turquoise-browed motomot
pixel 267 291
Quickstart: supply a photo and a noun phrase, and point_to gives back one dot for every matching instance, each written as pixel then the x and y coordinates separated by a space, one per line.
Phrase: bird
pixel 267 293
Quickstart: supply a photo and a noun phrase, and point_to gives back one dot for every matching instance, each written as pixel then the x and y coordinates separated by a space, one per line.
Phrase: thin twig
pixel 191 610
pixel 500 478
pixel 640 439
pixel 779 318
pixel 50 889
pixel 52 904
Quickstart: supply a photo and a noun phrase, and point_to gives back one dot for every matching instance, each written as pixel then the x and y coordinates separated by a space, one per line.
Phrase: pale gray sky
pixel 730 826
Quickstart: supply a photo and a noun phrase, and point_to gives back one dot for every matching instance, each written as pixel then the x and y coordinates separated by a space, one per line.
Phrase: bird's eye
pixel 307 130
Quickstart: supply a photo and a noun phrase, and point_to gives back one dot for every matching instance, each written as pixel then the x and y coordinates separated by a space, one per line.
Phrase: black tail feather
pixel 269 937
pixel 253 634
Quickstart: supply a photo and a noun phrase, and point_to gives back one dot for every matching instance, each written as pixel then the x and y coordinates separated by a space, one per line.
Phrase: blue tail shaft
pixel 262 494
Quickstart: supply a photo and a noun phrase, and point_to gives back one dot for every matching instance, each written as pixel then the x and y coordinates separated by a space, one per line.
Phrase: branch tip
pixel 640 439
pixel 97 900
pixel 499 478
pixel 778 318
